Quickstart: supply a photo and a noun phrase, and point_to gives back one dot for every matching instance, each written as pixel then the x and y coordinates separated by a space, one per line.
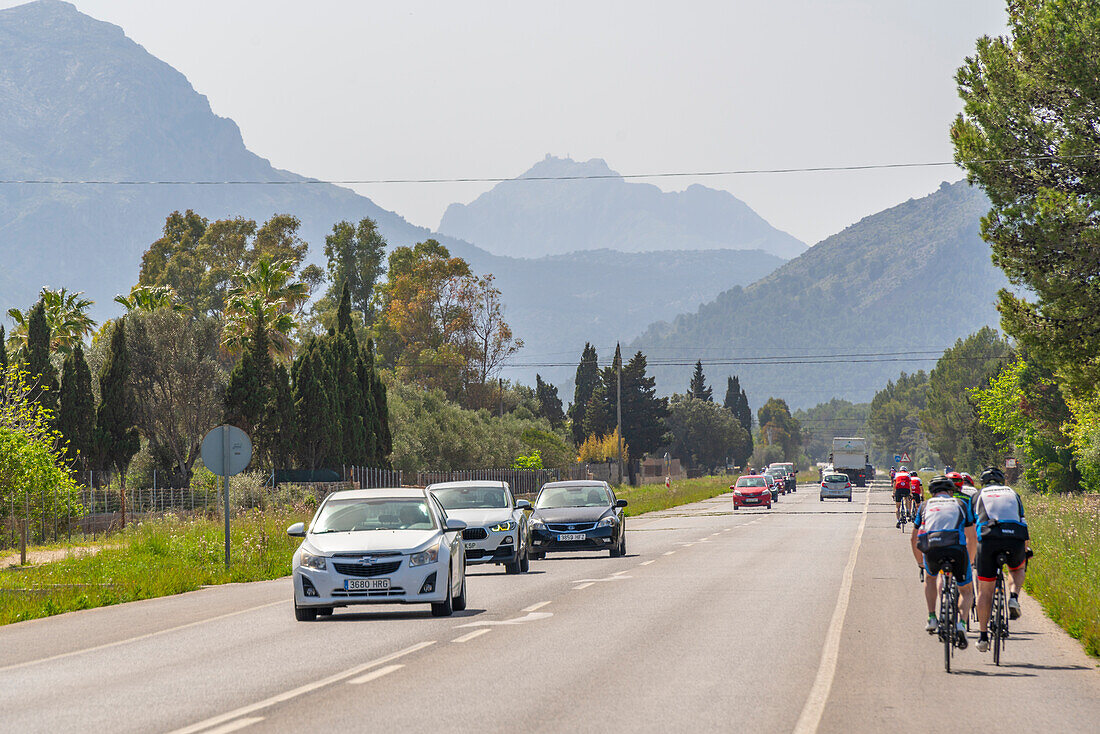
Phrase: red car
pixel 752 490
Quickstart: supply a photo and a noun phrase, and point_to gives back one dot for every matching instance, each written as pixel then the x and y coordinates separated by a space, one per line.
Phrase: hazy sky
pixel 342 89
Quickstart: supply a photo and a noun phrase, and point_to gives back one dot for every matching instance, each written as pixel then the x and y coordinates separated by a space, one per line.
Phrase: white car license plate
pixel 366 584
pixel 570 536
pixel 470 544
pixel 751 500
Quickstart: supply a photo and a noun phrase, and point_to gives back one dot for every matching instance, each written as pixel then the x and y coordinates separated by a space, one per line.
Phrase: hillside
pixel 80 101
pixel 913 277
pixel 525 218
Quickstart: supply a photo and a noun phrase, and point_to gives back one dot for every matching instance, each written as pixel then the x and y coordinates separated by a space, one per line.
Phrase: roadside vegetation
pixel 653 497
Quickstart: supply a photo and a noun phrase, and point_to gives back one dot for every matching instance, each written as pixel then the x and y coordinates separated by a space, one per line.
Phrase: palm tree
pixel 66 314
pixel 150 298
pixel 267 292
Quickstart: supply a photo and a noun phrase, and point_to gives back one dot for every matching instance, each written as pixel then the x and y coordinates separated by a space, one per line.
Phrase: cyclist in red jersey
pixel 901 492
pixel 916 493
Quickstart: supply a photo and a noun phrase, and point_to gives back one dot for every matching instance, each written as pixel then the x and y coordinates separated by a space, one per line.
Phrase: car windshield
pixel 471 498
pixel 836 478
pixel 751 482
pixel 553 497
pixel 342 516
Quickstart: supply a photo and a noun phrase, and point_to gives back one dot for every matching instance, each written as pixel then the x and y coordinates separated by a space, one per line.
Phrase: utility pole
pixel 500 390
pixel 619 409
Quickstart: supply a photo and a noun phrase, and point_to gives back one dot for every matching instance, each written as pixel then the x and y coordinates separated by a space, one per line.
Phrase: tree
pixel 313 406
pixel 3 353
pixel 779 428
pixel 489 340
pixel 738 403
pixel 643 412
pixel 37 359
pixel 705 435
pixel 268 293
pixel 248 391
pixel 588 375
pixel 116 436
pixel 894 418
pixel 698 388
pixel 549 402
pixel 150 298
pixel 177 384
pixel 1028 136
pixel 76 414
pixel 66 315
pixel 279 419
pixel 354 256
pixel 601 414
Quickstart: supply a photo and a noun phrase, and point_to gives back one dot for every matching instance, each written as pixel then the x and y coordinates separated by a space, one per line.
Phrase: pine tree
pixel 738 403
pixel 698 387
pixel 37 358
pixel 588 376
pixel 248 391
pixel 643 411
pixel 76 413
pixel 549 402
pixel 116 438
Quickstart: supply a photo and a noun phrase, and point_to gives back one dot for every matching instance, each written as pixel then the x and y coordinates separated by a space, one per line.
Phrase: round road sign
pixel 226 451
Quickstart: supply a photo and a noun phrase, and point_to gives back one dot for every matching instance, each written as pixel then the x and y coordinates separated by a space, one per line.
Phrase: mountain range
pixel 80 102
pixel 886 294
pixel 560 205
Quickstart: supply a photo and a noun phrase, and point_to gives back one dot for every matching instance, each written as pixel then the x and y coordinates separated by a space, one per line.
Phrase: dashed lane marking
pixel 583 586
pixel 668 553
pixel 235 725
pixel 620 573
pixel 646 563
pixel 535 607
pixel 299 691
pixel 375 674
pixel 531 617
pixel 471 635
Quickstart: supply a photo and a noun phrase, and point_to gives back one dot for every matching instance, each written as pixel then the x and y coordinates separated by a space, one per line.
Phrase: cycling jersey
pixel 940 522
pixel 901 481
pixel 915 487
pixel 1000 513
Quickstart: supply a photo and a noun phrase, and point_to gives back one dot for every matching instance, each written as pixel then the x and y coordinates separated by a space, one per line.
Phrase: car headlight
pixel 537 523
pixel 503 526
pixel 424 557
pixel 607 522
pixel 738 492
pixel 317 563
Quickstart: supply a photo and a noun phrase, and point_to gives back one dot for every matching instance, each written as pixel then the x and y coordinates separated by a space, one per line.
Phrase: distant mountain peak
pixel 553 166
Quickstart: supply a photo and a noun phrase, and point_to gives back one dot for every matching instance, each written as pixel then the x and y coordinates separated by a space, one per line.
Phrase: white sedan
pixel 496 524
pixel 379 546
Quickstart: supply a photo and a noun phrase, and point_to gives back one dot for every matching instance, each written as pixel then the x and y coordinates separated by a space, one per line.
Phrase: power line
pixel 579 177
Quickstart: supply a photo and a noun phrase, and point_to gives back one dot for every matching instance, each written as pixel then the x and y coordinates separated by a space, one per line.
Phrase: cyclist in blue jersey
pixel 1001 529
pixel 944 529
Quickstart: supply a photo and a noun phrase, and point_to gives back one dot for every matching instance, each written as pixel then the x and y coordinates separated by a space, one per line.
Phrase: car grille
pixel 564 527
pixel 392 591
pixel 475 534
pixel 376 569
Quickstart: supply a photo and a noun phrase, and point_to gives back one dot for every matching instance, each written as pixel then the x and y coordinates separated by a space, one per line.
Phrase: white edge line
pixel 300 690
pixel 375 674
pixel 535 607
pixel 235 725
pixel 814 707
pixel 620 573
pixel 583 586
pixel 128 640
pixel 470 635
pixel 668 553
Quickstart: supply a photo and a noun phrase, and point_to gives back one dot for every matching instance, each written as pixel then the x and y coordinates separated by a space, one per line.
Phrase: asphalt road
pixel 805 618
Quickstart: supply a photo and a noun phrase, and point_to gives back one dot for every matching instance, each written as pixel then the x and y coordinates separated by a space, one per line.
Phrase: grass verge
pixel 167 556
pixel 652 497
pixel 1064 575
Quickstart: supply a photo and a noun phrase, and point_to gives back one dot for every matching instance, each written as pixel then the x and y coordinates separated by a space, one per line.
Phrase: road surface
pixel 805 618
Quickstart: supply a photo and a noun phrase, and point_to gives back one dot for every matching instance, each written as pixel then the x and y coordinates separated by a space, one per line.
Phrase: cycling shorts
pixel 917 494
pixel 958 556
pixel 987 556
pixel 900 493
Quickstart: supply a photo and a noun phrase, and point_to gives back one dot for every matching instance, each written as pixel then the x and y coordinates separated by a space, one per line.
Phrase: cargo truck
pixel 851 456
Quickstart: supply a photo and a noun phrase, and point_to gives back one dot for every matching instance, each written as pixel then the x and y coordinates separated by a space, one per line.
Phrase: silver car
pixel 379 546
pixel 496 523
pixel 836 486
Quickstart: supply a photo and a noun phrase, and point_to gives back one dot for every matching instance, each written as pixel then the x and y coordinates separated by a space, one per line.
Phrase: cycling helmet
pixel 968 480
pixel 992 475
pixel 957 479
pixel 903 470
pixel 941 484
pixel 912 474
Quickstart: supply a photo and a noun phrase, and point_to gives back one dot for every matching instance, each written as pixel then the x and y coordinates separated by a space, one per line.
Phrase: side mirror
pixel 454 525
pixel 523 505
pixel 297 530
pixel 620 503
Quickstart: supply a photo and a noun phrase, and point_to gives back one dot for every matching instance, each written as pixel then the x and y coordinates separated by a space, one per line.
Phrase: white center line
pixel 646 563
pixel 668 553
pixel 299 691
pixel 620 573
pixel 146 636
pixel 471 635
pixel 810 718
pixel 583 586
pixel 374 674
pixel 234 725
pixel 535 607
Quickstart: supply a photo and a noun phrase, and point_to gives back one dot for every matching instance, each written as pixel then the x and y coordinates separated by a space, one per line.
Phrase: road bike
pixel 947 624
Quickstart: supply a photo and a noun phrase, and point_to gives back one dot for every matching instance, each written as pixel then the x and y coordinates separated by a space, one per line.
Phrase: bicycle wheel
pixel 998 618
pixel 947 621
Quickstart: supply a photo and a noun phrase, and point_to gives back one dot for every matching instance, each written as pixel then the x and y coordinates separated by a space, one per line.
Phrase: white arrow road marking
pixel 532 617
pixel 471 635
pixel 374 675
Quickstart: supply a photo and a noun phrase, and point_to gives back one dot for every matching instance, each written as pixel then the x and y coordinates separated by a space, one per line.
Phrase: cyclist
pixel 1001 529
pixel 916 493
pixel 901 493
pixel 944 529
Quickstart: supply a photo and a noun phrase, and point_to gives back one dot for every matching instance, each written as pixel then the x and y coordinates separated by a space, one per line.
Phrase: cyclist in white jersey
pixel 1001 529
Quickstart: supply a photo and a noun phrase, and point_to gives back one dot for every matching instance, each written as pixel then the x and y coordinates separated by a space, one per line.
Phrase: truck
pixel 851 456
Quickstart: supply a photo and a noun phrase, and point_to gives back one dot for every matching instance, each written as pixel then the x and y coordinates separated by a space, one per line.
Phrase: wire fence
pixel 100 507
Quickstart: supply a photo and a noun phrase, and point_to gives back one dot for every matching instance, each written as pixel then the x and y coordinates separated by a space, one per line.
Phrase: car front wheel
pixel 459 603
pixel 304 614
pixel 446 607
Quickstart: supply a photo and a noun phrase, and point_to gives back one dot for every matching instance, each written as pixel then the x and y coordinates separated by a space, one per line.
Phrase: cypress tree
pixel 38 364
pixel 588 376
pixel 354 445
pixel 116 437
pixel 314 407
pixel 381 406
pixel 372 427
pixel 549 402
pixel 76 417
pixel 279 419
pixel 698 386
pixel 643 412
pixel 248 392
pixel 3 353
pixel 738 403
pixel 343 313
